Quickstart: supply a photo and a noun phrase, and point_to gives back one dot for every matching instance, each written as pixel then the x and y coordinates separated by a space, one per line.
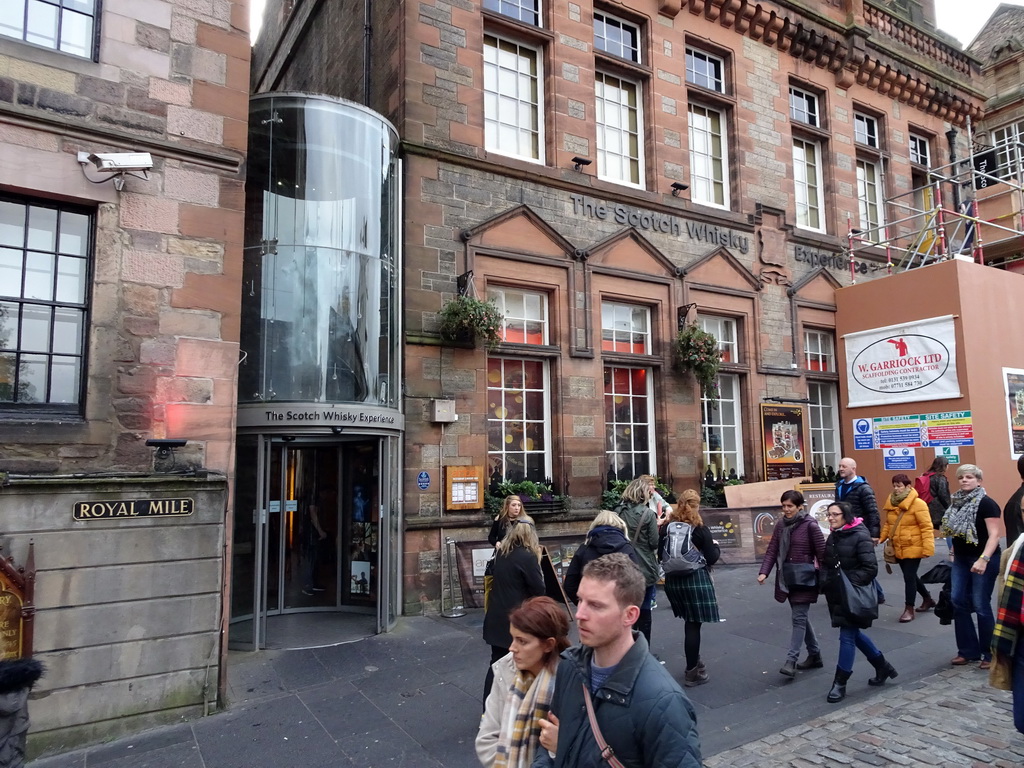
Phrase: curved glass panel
pixel 320 314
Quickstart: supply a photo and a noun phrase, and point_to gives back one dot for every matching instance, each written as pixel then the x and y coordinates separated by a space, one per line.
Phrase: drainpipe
pixel 954 172
pixel 367 36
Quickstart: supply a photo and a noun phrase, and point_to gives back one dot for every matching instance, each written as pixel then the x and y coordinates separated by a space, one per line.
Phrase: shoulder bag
pixel 607 753
pixel 859 602
pixel 803 575
pixel 888 549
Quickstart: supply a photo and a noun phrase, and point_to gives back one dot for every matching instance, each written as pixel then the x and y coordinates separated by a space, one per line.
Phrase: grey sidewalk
pixel 412 698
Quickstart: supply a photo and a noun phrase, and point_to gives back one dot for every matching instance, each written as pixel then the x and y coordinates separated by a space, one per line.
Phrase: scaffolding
pixel 964 208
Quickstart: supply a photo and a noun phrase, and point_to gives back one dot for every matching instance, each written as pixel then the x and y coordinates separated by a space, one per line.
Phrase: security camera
pixel 164 446
pixel 121 162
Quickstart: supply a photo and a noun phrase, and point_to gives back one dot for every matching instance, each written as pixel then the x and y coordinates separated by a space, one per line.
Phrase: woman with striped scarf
pixel 524 682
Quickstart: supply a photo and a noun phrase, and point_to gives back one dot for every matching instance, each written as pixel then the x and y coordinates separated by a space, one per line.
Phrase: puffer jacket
pixel 851 549
pixel 602 540
pixel 915 537
pixel 859 495
pixel 641 711
pixel 806 544
pixel 644 540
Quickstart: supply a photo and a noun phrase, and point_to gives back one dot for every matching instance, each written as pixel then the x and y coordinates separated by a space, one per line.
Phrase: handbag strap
pixel 607 753
pixel 892 533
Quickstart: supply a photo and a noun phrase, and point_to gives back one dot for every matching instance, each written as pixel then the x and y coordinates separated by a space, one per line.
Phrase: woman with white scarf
pixel 524 682
pixel 975 522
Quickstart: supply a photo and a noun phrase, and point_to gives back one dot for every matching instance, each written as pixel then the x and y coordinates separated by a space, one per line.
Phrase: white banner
pixel 904 363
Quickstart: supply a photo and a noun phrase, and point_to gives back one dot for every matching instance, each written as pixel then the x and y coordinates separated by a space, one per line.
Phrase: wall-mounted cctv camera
pixel 119 162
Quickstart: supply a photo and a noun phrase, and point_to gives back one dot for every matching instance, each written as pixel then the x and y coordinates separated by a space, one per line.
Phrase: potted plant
pixel 537 498
pixel 697 352
pixel 466 318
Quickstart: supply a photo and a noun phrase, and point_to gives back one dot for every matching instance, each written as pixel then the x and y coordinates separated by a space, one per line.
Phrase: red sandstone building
pixel 607 173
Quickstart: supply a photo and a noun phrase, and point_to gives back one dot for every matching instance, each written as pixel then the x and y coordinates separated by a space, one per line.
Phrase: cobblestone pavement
pixel 949 719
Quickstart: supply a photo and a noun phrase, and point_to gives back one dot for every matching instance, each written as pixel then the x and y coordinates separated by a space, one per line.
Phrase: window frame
pixel 545 421
pixel 90 42
pixel 818 188
pixel 492 140
pixel 864 201
pixel 712 408
pixel 815 410
pixel 500 294
pixel 622 24
pixel 611 453
pixel 714 324
pixel 717 84
pixel 697 182
pixel 915 153
pixel 616 305
pixel 495 6
pixel 1009 156
pixel 871 130
pixel 19 410
pixel 807 97
pixel 820 350
pixel 601 106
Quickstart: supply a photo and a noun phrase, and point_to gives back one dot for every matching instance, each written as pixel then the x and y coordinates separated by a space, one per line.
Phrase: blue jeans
pixel 972 593
pixel 1018 684
pixel 851 640
pixel 649 596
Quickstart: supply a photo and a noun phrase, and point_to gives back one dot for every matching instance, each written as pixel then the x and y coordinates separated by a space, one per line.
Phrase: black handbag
pixel 860 603
pixel 800 575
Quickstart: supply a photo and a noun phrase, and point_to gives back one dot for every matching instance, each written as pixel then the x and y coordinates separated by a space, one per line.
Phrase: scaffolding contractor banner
pixel 904 363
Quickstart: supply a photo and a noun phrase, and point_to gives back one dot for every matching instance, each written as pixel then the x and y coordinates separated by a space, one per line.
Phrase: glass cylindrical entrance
pixel 320 296
pixel 317 513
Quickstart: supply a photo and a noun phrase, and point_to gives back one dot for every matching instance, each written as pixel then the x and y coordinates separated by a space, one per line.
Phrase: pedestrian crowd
pixel 610 701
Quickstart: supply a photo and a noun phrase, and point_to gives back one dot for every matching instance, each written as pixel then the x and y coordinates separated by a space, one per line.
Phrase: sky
pixel 960 18
pixel 963 19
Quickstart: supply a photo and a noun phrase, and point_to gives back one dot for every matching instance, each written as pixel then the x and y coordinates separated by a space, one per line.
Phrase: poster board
pixel 782 441
pixel 1013 389
pixel 817 497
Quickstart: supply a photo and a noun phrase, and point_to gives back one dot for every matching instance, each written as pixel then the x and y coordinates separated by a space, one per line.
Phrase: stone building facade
pixel 609 173
pixel 119 323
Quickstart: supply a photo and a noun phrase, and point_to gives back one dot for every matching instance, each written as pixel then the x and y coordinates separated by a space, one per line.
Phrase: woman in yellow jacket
pixel 907 521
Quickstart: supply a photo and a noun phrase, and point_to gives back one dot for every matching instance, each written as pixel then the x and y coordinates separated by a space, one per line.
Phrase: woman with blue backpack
pixel 687 549
pixel 795 552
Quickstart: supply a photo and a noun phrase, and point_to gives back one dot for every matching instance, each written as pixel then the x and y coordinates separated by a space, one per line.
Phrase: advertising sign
pixel 1013 386
pixel 782 438
pixel 902 363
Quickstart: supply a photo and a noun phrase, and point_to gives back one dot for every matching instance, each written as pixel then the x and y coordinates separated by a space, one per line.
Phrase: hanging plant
pixel 697 353
pixel 465 318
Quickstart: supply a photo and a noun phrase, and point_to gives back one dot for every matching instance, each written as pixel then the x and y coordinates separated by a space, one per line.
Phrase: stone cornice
pixel 868 55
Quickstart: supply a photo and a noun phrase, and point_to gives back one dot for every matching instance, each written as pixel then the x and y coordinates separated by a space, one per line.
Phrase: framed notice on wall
pixel 464 487
pixel 1013 386
pixel 782 441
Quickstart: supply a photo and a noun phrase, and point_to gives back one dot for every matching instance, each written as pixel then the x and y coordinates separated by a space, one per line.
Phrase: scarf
pixel 1009 619
pixel 786 533
pixel 961 519
pixel 898 496
pixel 520 734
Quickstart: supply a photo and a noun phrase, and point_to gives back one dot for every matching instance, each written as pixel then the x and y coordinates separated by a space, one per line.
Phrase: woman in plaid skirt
pixel 692 594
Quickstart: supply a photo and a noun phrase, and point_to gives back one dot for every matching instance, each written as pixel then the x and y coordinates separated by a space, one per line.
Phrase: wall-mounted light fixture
pixel 684 313
pixel 677 187
pixel 787 400
pixel 117 165
pixel 337 430
pixel 579 162
pixel 165 446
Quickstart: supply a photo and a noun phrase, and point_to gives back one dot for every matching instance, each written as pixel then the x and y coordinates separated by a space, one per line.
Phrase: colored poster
pixel 1013 386
pixel 723 528
pixel 902 363
pixel 782 438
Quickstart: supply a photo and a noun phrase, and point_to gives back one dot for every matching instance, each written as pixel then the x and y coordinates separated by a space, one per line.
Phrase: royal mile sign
pixel 590 208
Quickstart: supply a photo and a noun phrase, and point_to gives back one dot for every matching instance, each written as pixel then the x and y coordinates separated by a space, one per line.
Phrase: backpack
pixel 923 486
pixel 679 555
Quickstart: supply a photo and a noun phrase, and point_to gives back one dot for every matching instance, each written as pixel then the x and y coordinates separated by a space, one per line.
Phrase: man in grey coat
pixel 641 712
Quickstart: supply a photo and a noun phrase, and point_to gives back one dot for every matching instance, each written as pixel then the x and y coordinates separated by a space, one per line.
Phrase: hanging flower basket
pixel 697 352
pixel 465 319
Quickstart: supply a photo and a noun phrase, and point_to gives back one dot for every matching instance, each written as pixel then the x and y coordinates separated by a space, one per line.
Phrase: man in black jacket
pixel 855 491
pixel 641 712
pixel 1013 517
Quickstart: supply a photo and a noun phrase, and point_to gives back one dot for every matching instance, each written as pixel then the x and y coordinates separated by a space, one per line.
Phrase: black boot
pixel 838 691
pixel 883 670
pixel 813 661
